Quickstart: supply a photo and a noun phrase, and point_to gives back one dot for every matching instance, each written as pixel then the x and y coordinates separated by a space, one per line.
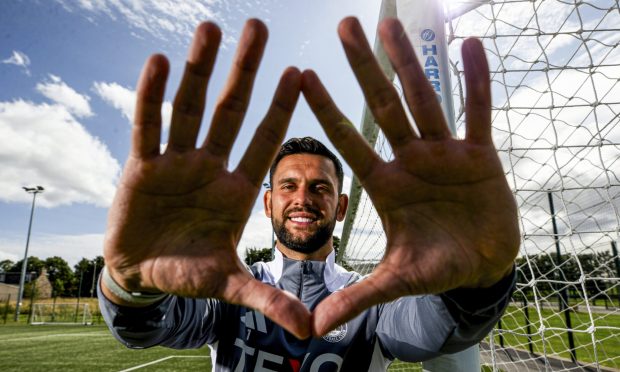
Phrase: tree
pixel 85 276
pixel 60 275
pixel 6 265
pixel 34 265
pixel 253 255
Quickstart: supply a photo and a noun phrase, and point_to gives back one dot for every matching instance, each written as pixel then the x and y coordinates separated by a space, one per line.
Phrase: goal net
pixel 65 314
pixel 555 70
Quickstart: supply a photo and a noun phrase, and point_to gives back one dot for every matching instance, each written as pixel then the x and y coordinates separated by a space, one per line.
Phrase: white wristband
pixel 137 298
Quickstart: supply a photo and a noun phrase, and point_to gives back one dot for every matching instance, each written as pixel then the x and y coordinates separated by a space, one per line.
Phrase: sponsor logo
pixel 429 58
pixel 252 359
pixel 337 334
pixel 427 34
pixel 254 320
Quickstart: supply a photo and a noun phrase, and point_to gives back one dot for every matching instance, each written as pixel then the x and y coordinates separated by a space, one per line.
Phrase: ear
pixel 267 203
pixel 343 203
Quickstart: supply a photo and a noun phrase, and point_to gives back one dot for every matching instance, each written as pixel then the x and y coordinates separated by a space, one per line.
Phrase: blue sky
pixel 68 70
pixel 68 75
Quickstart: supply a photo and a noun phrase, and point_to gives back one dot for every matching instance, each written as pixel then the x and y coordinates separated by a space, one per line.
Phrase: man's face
pixel 303 203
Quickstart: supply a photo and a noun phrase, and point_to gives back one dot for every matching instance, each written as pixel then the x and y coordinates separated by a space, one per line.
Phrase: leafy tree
pixel 253 255
pixel 60 275
pixel 34 265
pixel 86 273
pixel 6 265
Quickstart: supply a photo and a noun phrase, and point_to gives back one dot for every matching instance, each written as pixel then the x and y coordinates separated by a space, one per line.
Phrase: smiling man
pixel 173 278
pixel 305 199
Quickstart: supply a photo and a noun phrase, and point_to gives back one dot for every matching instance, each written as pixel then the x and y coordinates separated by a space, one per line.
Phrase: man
pixel 172 276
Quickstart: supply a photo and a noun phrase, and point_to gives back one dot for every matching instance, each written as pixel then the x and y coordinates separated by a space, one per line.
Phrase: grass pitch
pixel 87 348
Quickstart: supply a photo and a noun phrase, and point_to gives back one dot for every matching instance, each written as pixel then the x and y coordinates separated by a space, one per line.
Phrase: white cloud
pixel 18 59
pixel 56 90
pixel 72 248
pixel 124 100
pixel 171 20
pixel 45 145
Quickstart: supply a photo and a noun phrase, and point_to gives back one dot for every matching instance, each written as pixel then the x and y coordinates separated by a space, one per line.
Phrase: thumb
pixel 281 307
pixel 346 304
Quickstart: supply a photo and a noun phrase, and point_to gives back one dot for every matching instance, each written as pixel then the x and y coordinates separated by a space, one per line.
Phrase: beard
pixel 307 244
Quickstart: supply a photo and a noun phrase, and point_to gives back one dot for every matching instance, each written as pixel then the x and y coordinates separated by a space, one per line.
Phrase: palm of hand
pixel 435 242
pixel 189 242
pixel 177 217
pixel 449 217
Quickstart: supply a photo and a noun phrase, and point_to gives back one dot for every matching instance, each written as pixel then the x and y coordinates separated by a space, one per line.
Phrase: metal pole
pixel 92 288
pixel 526 312
pixel 6 307
pixel 33 289
pixel 614 251
pixel 501 333
pixel 562 295
pixel 22 278
pixel 77 306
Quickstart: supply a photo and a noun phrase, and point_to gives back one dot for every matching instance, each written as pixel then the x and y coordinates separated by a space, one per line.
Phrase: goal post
pixel 424 23
pixel 555 81
pixel 61 314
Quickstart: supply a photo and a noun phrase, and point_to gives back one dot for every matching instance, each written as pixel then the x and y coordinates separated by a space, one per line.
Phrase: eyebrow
pixel 325 181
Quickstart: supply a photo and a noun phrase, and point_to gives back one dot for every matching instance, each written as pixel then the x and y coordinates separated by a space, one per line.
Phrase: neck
pixel 318 255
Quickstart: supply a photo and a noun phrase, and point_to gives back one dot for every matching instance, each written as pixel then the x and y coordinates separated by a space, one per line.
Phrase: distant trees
pixel 596 267
pixel 5 266
pixel 65 281
pixel 34 265
pixel 60 276
pixel 253 255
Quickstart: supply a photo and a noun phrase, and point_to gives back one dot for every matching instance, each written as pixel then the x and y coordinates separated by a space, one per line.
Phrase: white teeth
pixel 301 219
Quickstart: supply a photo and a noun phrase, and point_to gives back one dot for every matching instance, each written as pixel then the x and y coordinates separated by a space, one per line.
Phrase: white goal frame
pixel 61 314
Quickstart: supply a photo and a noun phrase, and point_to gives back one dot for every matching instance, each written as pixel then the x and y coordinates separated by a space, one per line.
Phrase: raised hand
pixel 177 217
pixel 449 217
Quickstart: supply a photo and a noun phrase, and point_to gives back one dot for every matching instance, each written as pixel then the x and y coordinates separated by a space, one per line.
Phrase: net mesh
pixel 555 69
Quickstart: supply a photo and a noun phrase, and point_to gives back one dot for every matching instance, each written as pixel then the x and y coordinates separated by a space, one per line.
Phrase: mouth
pixel 302 218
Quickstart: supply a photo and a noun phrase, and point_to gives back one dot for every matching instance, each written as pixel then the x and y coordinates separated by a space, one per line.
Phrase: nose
pixel 302 197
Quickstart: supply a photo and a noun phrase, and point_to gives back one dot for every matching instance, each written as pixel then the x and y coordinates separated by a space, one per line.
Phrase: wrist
pixel 490 282
pixel 116 292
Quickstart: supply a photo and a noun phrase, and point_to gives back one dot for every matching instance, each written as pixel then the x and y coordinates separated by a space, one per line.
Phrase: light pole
pixel 273 232
pixel 34 191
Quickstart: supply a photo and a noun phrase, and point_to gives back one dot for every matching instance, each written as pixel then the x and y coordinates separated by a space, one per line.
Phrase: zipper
pixel 301 279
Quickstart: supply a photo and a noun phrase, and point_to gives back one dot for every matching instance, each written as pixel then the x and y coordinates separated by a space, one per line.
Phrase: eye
pixel 287 186
pixel 322 188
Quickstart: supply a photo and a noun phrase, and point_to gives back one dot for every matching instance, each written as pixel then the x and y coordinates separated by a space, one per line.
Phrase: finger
pixel 281 307
pixel 346 304
pixel 189 102
pixel 233 103
pixel 477 82
pixel 146 131
pixel 350 144
pixel 419 93
pixel 381 96
pixel 270 133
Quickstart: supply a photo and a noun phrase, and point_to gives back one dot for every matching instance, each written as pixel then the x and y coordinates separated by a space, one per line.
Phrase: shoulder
pixel 337 277
pixel 266 272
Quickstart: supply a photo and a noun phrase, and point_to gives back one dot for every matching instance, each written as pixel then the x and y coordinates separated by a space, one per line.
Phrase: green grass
pixel 82 348
pixel 555 341
pixel 85 348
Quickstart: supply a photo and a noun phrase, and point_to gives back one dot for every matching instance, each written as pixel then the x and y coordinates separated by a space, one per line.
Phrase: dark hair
pixel 307 145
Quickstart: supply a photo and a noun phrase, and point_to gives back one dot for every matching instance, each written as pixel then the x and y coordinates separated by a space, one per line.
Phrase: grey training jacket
pixel 411 328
